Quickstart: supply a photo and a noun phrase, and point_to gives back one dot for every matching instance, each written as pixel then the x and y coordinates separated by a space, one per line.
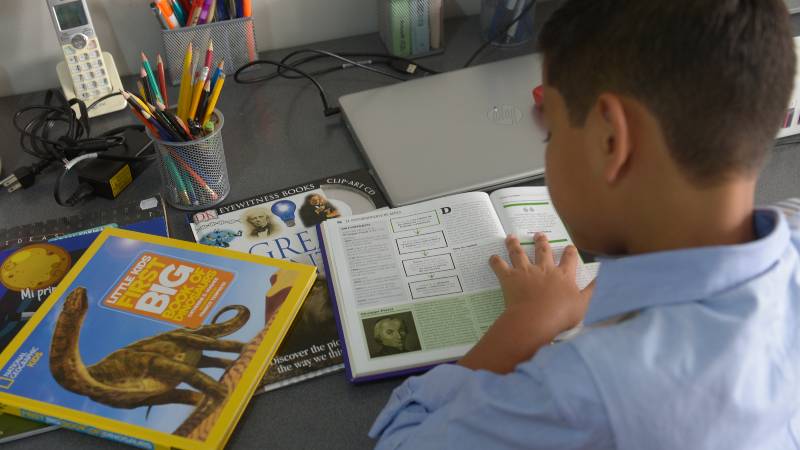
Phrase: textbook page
pixel 413 285
pixel 527 210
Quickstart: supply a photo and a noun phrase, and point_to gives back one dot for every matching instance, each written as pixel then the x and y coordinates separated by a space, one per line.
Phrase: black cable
pixel 345 58
pixel 502 32
pixel 55 133
pixel 285 65
pixel 328 110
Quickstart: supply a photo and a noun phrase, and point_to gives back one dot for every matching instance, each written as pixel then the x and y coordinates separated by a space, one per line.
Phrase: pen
pixel 180 13
pixel 222 12
pixel 161 20
pixel 187 6
pixel 169 15
pixel 239 8
pixel 212 11
pixel 162 80
pixel 204 12
pixel 197 8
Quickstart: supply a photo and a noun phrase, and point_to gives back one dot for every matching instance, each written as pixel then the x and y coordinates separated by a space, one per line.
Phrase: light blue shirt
pixel 711 361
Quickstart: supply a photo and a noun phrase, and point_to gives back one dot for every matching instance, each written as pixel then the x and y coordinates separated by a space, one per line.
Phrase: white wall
pixel 29 50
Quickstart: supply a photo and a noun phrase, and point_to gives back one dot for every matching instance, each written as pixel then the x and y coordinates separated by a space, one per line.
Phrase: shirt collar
pixel 635 282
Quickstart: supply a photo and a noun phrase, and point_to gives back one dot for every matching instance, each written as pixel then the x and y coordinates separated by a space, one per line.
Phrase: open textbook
pixel 413 286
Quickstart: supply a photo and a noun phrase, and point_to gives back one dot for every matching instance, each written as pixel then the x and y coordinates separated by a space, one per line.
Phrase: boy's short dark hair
pixel 717 74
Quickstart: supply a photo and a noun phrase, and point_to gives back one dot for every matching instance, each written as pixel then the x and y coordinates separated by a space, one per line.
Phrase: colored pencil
pixel 203 103
pixel 186 82
pixel 151 78
pixel 150 95
pixel 212 102
pixel 209 54
pixel 198 91
pixel 162 79
pixel 217 72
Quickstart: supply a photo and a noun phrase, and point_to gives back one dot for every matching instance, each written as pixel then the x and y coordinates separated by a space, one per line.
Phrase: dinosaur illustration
pixel 200 423
pixel 146 372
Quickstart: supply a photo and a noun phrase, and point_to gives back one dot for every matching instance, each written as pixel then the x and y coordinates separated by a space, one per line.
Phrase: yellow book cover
pixel 153 342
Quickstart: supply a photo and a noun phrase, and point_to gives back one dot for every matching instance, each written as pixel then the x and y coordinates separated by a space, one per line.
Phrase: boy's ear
pixel 615 134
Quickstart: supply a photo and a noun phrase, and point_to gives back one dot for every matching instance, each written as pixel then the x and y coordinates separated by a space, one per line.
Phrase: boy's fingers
pixel 569 261
pixel 515 252
pixel 586 293
pixel 498 265
pixel 543 253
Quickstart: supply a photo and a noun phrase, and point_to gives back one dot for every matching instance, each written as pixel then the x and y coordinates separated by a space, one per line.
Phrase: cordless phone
pixel 87 72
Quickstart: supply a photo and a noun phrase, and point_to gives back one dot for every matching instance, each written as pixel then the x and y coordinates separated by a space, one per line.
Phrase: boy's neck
pixel 679 217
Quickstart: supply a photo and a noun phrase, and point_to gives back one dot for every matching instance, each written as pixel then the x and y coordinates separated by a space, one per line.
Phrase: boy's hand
pixel 543 291
pixel 542 300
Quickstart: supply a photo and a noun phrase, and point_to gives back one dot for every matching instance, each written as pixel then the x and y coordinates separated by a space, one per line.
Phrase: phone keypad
pixel 86 66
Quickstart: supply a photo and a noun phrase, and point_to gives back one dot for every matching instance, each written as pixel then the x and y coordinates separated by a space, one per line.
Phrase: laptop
pixel 470 129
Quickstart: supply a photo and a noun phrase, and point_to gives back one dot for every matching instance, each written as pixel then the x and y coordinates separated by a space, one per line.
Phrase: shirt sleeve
pixel 548 402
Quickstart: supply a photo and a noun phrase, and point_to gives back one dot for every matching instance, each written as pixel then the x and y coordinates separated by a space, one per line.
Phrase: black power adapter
pixel 107 178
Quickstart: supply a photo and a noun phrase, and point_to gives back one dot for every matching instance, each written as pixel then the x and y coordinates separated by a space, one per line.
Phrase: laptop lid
pixel 470 129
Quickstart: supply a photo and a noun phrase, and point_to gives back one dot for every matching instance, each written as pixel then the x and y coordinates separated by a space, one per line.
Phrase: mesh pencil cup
pixel 193 173
pixel 234 41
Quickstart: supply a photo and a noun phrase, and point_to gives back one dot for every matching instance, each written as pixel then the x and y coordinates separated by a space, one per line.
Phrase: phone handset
pixel 87 72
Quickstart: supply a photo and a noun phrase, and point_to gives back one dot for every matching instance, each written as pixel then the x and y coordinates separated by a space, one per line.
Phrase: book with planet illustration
pixel 29 274
pixel 152 342
pixel 281 224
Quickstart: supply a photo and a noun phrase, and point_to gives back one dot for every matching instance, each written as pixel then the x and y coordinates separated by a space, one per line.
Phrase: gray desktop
pixel 281 138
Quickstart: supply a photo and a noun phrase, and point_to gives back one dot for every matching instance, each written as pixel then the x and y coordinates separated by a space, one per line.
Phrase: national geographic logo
pixel 504 115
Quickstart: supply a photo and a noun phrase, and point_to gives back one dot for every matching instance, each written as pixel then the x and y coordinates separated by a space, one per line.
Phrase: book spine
pixel 399 22
pixel 86 429
pixel 420 31
pixel 435 7
pixel 348 370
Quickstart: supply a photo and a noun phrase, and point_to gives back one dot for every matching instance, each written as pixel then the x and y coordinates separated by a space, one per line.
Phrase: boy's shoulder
pixel 791 209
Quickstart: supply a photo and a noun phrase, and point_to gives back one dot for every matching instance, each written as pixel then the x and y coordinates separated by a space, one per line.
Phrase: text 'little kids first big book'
pixel 153 342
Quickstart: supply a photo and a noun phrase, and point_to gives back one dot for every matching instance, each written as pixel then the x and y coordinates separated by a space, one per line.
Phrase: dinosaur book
pixel 280 224
pixel 153 342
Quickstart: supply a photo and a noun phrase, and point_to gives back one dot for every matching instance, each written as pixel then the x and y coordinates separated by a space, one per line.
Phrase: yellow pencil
pixel 141 102
pixel 141 89
pixel 212 102
pixel 186 83
pixel 198 91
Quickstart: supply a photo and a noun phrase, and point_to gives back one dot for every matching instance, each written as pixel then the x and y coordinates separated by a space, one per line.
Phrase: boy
pixel 660 113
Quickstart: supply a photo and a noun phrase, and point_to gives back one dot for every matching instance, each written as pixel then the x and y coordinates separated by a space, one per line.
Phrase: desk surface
pixel 276 136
